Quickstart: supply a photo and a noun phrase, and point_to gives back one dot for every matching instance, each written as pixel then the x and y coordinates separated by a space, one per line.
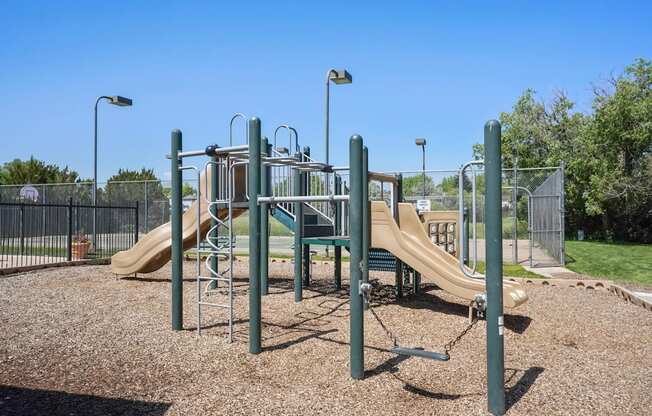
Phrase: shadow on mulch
pixel 307 321
pixel 143 279
pixel 384 294
pixel 215 325
pixel 517 391
pixel 295 341
pixel 388 366
pixel 28 402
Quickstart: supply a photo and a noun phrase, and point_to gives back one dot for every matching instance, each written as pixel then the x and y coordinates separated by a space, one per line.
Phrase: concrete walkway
pixel 553 272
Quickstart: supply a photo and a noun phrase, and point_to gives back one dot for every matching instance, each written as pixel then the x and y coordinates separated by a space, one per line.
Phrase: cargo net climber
pixel 242 175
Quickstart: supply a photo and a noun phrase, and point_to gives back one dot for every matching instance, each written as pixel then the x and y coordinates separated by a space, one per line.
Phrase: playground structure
pixel 237 172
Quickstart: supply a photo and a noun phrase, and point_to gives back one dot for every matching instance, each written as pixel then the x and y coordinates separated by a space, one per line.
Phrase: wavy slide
pixel 411 244
pixel 154 249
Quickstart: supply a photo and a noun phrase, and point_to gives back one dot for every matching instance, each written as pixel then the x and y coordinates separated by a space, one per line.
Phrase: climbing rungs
pixel 213 279
pixel 211 251
pixel 217 305
pixel 420 352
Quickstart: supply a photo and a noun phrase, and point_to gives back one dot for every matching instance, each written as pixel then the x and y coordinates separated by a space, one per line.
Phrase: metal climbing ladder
pixel 218 242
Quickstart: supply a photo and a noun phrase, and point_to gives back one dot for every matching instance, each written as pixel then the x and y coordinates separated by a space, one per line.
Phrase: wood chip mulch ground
pixel 76 341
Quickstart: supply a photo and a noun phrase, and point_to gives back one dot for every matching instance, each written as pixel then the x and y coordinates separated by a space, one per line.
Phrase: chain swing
pixel 479 304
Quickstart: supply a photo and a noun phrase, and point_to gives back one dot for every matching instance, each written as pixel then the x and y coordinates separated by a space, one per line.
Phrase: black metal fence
pixel 33 234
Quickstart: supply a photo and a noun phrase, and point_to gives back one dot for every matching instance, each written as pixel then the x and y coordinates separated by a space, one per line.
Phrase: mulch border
pixel 630 296
pixel 24 269
pixel 593 284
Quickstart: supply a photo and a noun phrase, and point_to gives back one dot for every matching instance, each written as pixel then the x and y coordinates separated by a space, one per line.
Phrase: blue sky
pixel 421 69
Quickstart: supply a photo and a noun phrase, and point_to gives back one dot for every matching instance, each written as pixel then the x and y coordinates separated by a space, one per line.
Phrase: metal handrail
pixel 530 218
pixel 290 130
pixel 236 115
pixel 473 274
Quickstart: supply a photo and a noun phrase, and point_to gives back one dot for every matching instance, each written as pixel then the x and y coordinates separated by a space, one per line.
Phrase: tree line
pixel 607 152
pixel 115 192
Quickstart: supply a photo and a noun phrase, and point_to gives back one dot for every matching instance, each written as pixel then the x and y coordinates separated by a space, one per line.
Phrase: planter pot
pixel 80 250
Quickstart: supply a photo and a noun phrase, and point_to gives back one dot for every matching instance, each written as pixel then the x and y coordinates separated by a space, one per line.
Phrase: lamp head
pixel 420 142
pixel 340 76
pixel 120 101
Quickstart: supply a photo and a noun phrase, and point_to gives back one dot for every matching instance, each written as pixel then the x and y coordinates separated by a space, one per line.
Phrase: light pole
pixel 338 76
pixel 120 102
pixel 422 143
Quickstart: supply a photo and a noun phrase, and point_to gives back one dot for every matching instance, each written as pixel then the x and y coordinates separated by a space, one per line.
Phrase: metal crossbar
pixel 309 198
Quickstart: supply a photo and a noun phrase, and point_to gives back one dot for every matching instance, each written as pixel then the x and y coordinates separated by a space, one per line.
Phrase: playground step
pixel 318 230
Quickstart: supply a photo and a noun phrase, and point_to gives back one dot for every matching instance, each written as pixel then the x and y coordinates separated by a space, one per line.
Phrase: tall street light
pixel 120 102
pixel 338 76
pixel 422 143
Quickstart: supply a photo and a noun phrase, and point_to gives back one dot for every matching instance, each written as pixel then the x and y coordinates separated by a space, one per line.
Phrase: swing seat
pixel 420 352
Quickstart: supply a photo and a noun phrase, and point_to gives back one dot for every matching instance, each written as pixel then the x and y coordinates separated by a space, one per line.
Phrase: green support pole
pixel 494 274
pixel 298 232
pixel 214 210
pixel 306 265
pixel 306 247
pixel 465 236
pixel 254 237
pixel 398 277
pixel 176 211
pixel 264 222
pixel 366 220
pixel 338 231
pixel 416 281
pixel 356 209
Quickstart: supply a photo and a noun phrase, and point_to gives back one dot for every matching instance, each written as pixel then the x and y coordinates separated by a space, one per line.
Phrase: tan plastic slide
pixel 411 244
pixel 153 250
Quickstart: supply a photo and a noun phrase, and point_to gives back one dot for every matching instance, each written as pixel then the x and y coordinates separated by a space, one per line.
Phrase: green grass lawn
pixel 241 226
pixel 511 270
pixel 624 262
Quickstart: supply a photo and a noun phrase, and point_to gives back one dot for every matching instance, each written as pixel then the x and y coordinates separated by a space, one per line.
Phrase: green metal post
pixel 254 237
pixel 176 211
pixel 298 232
pixel 264 222
pixel 356 209
pixel 416 281
pixel 465 236
pixel 214 210
pixel 366 220
pixel 494 275
pixel 338 231
pixel 398 277
pixel 306 265
pixel 306 247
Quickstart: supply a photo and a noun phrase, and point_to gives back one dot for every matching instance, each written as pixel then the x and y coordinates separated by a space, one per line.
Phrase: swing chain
pixel 389 333
pixel 450 344
pixel 365 290
pixel 479 304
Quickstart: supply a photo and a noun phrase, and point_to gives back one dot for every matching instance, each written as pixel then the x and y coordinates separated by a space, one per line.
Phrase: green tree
pixel 619 142
pixel 34 171
pixel 187 191
pixel 413 186
pixel 128 186
pixel 608 153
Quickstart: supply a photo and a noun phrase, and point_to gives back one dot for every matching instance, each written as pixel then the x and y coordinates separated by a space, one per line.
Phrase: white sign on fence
pixel 29 193
pixel 423 205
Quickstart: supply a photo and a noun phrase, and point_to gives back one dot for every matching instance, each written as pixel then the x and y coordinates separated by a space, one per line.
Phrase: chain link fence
pixel 533 220
pixel 152 197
